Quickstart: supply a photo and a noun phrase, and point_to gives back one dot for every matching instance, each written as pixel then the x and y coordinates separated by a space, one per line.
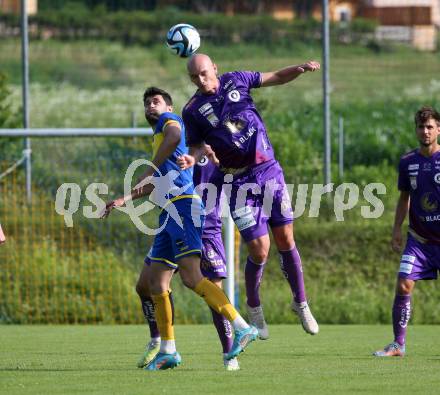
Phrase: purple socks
pixel 253 274
pixel 290 263
pixel 401 315
pixel 224 330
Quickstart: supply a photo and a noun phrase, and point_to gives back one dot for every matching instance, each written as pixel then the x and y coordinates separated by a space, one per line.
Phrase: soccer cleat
pixel 151 350
pixel 256 318
pixel 393 349
pixel 164 361
pixel 305 315
pixel 231 364
pixel 241 341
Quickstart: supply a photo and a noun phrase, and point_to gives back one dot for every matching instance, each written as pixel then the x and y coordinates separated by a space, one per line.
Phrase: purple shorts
pixel 259 198
pixel 213 263
pixel 419 261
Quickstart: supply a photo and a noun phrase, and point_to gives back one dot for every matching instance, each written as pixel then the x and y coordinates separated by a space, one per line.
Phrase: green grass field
pixel 101 360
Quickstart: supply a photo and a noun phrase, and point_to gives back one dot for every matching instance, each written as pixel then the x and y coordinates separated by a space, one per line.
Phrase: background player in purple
pixel 419 185
pixel 223 115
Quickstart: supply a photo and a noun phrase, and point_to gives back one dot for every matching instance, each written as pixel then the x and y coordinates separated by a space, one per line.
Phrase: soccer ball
pixel 183 40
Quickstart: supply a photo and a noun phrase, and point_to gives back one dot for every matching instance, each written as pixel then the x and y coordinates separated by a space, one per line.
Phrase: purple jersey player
pixel 213 261
pixel 207 174
pixel 223 115
pixel 419 185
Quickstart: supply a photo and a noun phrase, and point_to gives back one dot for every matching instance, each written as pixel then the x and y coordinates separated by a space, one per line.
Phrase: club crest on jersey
pixel 413 181
pixel 234 96
pixel 437 178
pixel 427 167
pixel 203 161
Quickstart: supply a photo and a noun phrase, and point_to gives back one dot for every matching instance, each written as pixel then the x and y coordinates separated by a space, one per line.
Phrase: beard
pixel 152 118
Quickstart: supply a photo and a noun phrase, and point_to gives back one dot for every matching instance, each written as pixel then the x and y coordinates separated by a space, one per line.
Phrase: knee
pixel 404 287
pixel 285 241
pixel 259 257
pixel 142 290
pixel 188 280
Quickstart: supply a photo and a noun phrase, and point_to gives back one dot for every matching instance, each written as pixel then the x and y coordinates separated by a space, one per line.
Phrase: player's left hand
pixel 185 161
pixel 110 206
pixel 309 66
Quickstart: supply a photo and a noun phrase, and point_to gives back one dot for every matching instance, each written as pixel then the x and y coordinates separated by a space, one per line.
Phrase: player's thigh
pixel 417 262
pixel 281 217
pixel 142 285
pixel 283 236
pixel 162 264
pixel 189 270
pixel 160 277
pixel 186 235
pixel 258 248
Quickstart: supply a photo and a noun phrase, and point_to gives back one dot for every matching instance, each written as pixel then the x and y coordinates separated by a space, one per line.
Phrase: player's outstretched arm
pixel 401 211
pixel 287 74
pixel 171 139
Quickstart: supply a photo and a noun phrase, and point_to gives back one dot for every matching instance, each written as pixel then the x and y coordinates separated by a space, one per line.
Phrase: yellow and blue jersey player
pixel 177 245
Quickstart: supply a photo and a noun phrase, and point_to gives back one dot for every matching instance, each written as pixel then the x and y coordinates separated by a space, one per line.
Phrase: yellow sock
pixel 216 299
pixel 164 315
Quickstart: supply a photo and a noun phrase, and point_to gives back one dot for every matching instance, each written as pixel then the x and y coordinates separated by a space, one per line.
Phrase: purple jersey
pixel 420 176
pixel 205 172
pixel 229 122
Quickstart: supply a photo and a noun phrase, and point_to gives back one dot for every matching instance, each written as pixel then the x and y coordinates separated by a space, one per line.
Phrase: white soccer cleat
pixel 305 315
pixel 256 318
pixel 231 364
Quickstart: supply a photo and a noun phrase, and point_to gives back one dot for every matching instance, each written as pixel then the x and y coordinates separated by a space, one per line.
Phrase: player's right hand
pixel 185 161
pixel 396 241
pixel 110 206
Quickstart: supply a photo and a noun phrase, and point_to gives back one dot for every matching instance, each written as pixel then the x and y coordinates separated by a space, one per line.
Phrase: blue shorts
pixel 178 239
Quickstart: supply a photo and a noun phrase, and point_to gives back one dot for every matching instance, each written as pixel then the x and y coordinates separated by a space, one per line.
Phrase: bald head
pixel 203 73
pixel 197 61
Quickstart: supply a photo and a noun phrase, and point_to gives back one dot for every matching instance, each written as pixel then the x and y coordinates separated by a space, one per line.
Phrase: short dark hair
pixel 153 91
pixel 426 113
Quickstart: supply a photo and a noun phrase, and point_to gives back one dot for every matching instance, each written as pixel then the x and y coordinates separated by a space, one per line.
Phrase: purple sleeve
pixel 403 180
pixel 252 79
pixel 193 134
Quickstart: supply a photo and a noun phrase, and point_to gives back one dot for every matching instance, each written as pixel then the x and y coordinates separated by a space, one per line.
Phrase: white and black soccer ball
pixel 183 40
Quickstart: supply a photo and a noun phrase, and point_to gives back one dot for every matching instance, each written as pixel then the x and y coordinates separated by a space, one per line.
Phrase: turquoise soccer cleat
pixel 164 361
pixel 150 352
pixel 393 349
pixel 241 341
